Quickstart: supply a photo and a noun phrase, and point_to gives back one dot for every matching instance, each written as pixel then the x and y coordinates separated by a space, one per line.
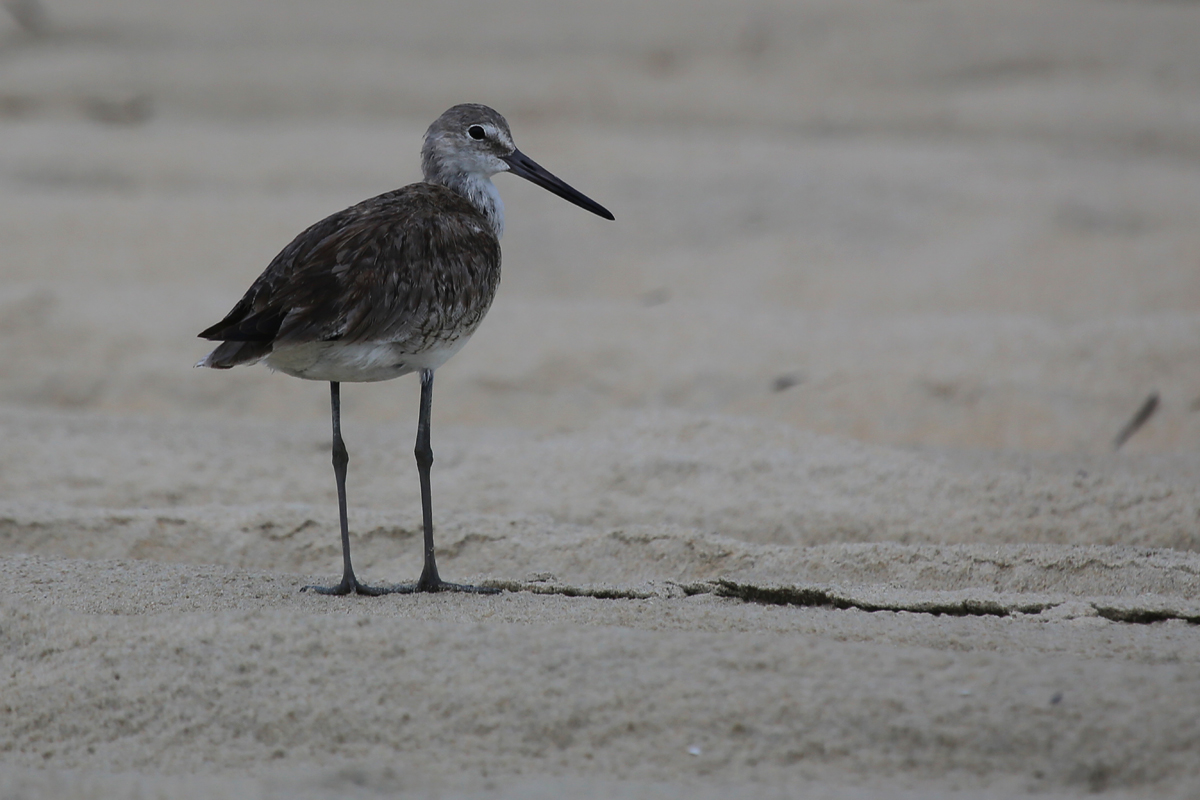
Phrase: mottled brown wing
pixel 411 260
pixel 259 314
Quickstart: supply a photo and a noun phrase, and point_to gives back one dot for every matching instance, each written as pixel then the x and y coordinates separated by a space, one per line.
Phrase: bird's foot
pixel 350 585
pixel 439 585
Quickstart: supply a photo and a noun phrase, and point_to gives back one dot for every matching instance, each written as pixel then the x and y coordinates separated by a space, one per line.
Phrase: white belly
pixel 357 362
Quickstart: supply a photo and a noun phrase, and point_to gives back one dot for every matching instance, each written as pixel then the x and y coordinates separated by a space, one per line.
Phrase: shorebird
pixel 393 285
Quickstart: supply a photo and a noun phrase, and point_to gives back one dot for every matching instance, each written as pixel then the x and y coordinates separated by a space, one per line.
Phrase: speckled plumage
pixel 415 268
pixel 393 285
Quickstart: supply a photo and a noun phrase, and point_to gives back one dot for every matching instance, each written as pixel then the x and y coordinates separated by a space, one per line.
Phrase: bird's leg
pixel 340 459
pixel 430 581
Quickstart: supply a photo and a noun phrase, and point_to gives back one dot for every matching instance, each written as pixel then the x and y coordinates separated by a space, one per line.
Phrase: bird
pixel 394 285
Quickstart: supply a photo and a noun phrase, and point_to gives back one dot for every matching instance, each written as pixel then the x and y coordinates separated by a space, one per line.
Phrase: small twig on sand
pixel 786 381
pixel 1139 419
pixel 29 14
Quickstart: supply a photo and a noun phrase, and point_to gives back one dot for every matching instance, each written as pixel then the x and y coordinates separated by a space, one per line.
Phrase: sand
pixel 799 478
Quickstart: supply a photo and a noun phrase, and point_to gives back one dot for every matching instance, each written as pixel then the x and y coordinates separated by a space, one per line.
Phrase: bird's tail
pixel 231 354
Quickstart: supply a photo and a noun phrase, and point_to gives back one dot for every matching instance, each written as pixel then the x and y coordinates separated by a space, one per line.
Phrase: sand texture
pixel 799 478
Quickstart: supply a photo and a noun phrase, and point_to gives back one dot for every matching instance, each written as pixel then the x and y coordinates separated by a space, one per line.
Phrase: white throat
pixel 480 192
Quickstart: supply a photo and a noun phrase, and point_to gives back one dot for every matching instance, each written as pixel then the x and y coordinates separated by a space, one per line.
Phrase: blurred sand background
pixel 800 474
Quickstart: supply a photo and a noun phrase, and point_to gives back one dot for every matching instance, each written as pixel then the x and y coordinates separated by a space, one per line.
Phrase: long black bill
pixel 524 166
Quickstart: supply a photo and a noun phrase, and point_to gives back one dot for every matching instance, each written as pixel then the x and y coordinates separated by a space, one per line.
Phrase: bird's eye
pixel 476 132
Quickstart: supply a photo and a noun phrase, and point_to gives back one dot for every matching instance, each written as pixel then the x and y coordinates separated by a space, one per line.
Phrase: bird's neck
pixel 480 192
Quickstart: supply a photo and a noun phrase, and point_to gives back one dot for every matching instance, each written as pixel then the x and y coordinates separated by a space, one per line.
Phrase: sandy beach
pixel 799 478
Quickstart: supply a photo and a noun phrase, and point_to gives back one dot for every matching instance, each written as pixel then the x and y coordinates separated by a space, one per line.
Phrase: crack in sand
pixel 958 607
pixel 825 597
pixel 1143 616
pixel 814 596
pixel 598 592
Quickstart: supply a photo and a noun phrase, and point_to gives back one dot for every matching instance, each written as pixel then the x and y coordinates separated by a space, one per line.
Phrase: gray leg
pixel 340 459
pixel 430 581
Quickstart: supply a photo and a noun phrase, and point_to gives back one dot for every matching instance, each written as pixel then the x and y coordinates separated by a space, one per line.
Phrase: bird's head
pixel 471 142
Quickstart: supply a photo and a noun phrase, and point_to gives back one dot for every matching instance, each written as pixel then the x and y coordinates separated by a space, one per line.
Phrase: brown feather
pixel 414 265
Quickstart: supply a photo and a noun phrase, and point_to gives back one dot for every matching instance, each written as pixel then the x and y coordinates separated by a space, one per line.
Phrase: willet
pixel 393 285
